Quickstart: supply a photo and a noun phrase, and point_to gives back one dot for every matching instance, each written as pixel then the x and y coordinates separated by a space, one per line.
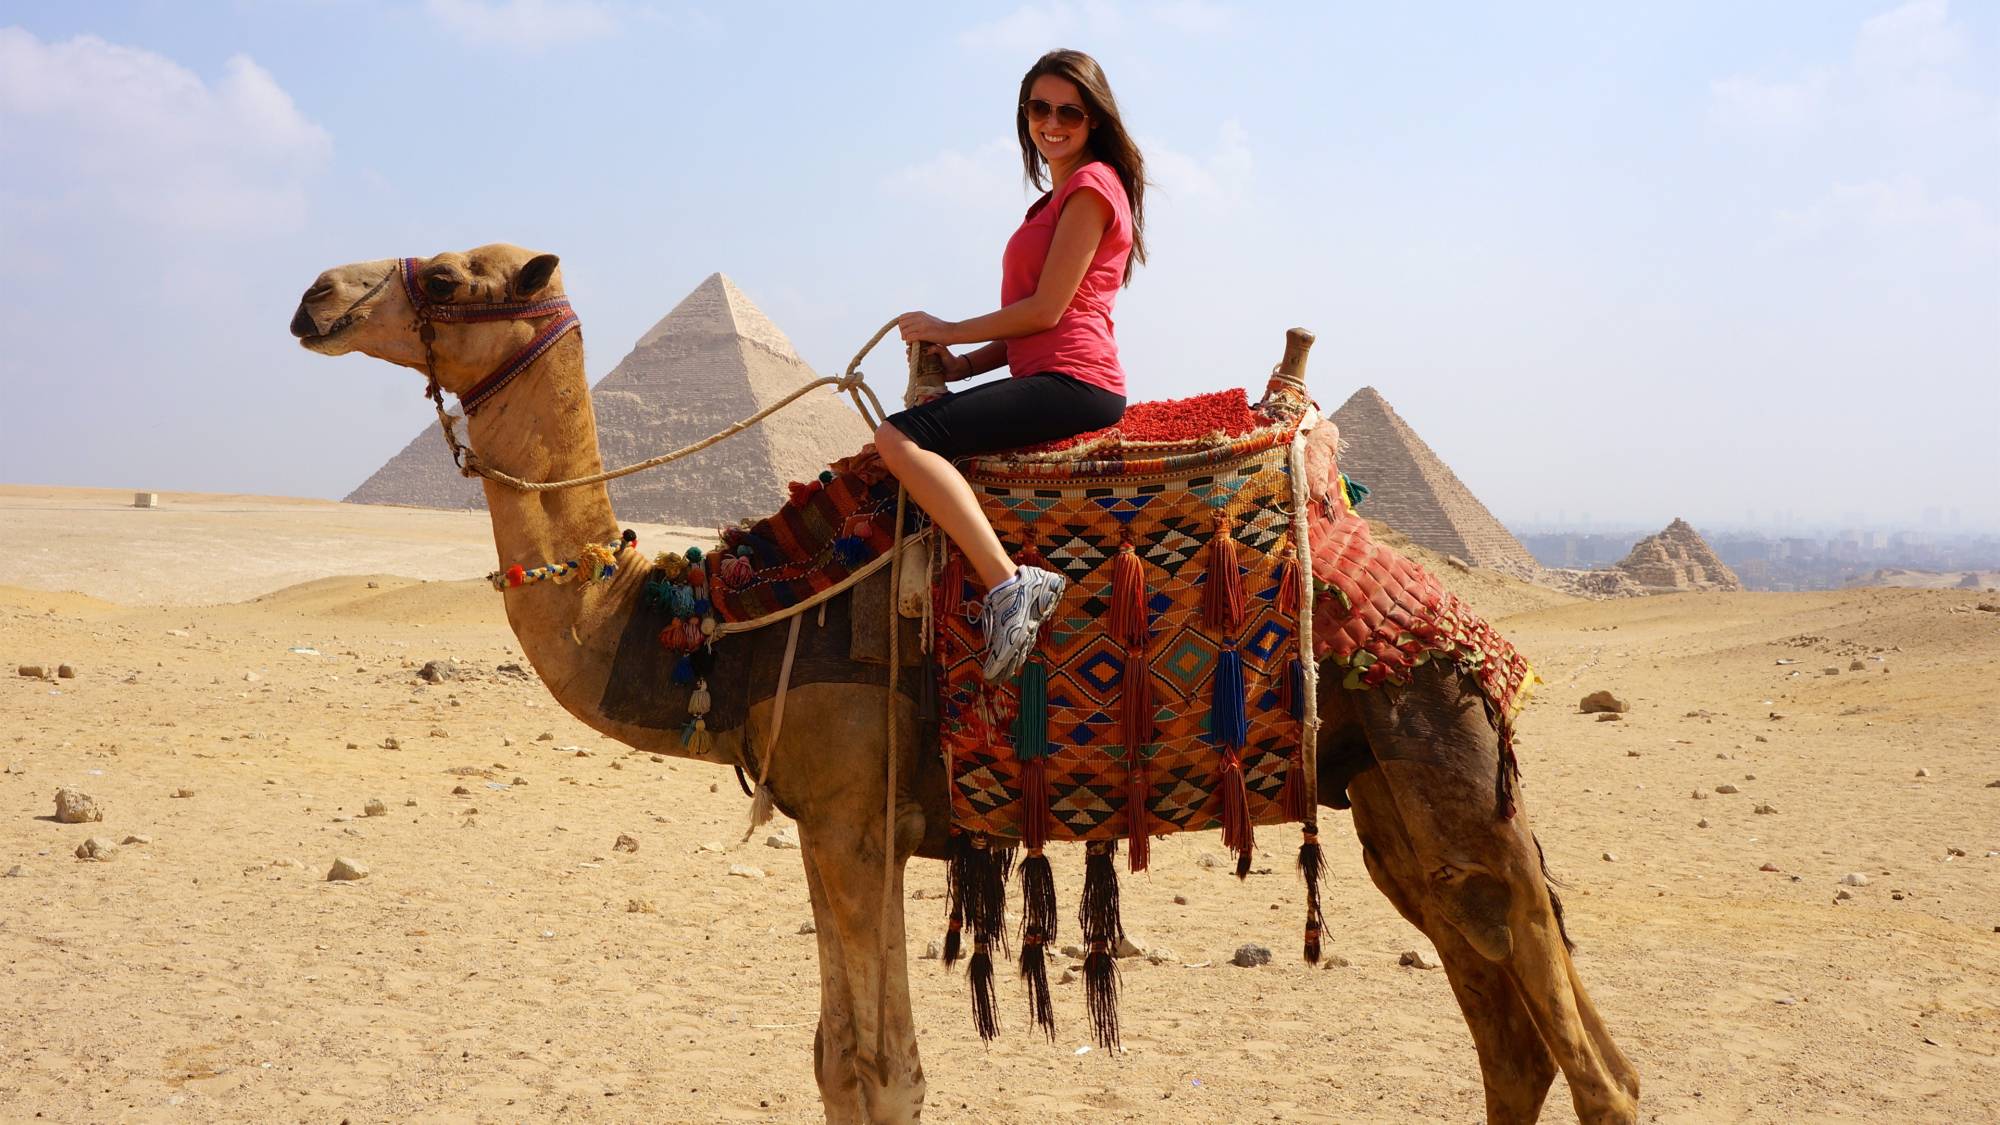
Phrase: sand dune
pixel 503 963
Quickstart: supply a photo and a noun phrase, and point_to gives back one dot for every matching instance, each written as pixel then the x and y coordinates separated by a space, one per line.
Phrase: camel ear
pixel 535 275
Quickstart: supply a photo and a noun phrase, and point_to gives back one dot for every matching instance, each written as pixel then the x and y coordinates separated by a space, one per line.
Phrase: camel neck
pixel 542 428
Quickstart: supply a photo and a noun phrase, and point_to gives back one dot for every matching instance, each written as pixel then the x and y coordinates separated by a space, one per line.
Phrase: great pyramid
pixel 712 360
pixel 1677 559
pixel 1416 493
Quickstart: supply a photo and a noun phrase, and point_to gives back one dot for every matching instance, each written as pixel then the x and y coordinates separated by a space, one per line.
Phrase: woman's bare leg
pixel 939 490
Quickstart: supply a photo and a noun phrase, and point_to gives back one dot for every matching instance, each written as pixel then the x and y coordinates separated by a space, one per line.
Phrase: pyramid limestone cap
pixel 1416 493
pixel 717 307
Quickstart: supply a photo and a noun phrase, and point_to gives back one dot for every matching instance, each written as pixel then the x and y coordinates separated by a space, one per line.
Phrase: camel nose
pixel 302 322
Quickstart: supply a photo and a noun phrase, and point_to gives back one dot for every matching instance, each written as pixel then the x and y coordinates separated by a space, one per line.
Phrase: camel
pixel 1416 765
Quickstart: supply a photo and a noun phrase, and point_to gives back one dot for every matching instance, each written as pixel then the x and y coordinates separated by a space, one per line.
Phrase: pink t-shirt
pixel 1081 344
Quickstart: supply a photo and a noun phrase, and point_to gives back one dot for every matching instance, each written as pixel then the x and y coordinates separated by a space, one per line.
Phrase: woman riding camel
pixel 1059 277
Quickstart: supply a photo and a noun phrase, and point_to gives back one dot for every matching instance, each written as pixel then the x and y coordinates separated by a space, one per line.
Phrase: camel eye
pixel 439 286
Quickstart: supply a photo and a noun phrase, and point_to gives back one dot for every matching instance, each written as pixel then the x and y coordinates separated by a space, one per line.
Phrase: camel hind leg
pixel 1482 876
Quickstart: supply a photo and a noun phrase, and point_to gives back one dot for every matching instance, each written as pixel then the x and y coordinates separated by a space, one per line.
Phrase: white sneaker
pixel 1012 618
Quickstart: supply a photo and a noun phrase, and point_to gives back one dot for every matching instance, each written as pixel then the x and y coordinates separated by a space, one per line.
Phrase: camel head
pixel 364 307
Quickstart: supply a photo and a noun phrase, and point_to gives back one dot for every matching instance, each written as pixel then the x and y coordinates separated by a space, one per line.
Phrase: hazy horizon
pixel 1703 261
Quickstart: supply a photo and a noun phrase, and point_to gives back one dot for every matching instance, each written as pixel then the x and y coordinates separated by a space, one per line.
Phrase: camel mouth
pixel 327 341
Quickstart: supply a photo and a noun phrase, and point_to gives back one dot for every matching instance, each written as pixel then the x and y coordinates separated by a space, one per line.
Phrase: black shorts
pixel 1009 414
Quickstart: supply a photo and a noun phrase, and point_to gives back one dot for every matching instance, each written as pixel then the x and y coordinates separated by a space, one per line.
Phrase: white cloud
pixel 1760 107
pixel 524 24
pixel 1221 178
pixel 1196 17
pixel 103 132
pixel 1916 36
pixel 985 178
pixel 1038 27
pixel 1896 211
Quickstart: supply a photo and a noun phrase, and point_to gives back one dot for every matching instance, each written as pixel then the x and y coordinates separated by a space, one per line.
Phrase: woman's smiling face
pixel 1062 136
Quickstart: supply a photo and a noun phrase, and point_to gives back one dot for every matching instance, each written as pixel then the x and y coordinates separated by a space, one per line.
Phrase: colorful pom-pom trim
pixel 594 563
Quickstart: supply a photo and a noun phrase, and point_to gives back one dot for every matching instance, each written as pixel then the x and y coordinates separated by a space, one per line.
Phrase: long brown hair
pixel 1109 141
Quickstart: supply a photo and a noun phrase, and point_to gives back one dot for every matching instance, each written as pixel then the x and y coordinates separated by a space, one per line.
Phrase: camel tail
pixel 1555 900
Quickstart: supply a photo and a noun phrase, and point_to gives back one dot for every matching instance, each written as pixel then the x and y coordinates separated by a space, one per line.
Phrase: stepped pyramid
pixel 711 361
pixel 1418 494
pixel 1677 559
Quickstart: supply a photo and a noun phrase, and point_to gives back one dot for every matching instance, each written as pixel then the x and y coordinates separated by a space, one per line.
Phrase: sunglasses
pixel 1065 113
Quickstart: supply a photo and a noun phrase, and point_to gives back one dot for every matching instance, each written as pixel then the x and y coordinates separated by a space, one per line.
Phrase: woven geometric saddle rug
pixel 1173 688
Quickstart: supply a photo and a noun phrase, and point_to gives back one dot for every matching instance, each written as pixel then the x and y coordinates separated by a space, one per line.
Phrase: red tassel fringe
pixel 1035 803
pixel 1295 788
pixel 1138 815
pixel 1238 834
pixel 1128 598
pixel 1288 589
pixel 951 583
pixel 1223 608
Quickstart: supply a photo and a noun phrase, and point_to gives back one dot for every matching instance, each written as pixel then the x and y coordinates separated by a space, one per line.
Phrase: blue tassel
pixel 1227 721
pixel 683 601
pixel 1295 675
pixel 660 594
pixel 684 670
pixel 701 607
pixel 852 549
pixel 1031 718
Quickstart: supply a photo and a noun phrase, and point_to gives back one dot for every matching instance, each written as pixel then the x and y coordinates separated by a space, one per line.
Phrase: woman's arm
pixel 1079 229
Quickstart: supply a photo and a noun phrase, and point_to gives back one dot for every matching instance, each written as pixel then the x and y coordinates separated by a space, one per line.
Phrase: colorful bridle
pixel 429 312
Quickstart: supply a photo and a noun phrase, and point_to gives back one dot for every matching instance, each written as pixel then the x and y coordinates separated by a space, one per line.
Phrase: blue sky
pixel 1709 259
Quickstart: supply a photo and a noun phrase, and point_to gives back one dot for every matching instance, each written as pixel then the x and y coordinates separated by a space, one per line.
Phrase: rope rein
pixel 851 380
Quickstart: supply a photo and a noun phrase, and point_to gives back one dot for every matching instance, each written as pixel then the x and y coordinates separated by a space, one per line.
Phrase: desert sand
pixel 503 961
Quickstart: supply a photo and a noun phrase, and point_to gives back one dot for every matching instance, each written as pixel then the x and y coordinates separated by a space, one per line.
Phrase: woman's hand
pixel 923 326
pixel 956 367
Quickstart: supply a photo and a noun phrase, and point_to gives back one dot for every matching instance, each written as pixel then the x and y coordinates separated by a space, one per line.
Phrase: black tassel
pixel 1312 867
pixel 958 853
pixel 1038 932
pixel 985 1013
pixel 982 888
pixel 1098 917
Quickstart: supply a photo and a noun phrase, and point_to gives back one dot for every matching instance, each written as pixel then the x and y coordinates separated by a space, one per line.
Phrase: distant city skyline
pixel 1739 264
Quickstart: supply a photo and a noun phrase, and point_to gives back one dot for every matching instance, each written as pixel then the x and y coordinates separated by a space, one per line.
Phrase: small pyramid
pixel 1415 492
pixel 715 359
pixel 1678 558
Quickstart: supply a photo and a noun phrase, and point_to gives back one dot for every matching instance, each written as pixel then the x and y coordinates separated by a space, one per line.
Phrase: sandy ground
pixel 502 962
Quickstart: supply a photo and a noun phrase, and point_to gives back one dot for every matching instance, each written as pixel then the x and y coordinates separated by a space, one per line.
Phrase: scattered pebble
pixel 640 906
pixel 808 927
pixel 251 677
pixel 1768 867
pixel 1128 948
pixel 1854 879
pixel 460 791
pixel 1251 955
pixel 65 672
pixel 1702 823
pixel 440 732
pixel 745 871
pixel 1411 959
pixel 96 848
pixel 1210 860
pixel 1922 772
pixel 627 843
pixel 546 736
pixel 1335 961
pixel 74 806
pixel 137 838
pixel 1180 900
pixel 437 671
pixel 346 870
pixel 391 744
pixel 933 951
pixel 1842 895
pixel 375 807
pixel 1699 795
pixel 1610 717
pixel 783 839
pixel 31 671
pixel 1726 789
pixel 1765 810
pixel 1602 702
pixel 1856 665
pixel 1609 858
pixel 1161 957
pixel 17 872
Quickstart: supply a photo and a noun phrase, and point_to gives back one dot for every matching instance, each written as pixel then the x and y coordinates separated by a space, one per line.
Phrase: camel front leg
pixel 833 1041
pixel 1514 1064
pixel 867 1047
